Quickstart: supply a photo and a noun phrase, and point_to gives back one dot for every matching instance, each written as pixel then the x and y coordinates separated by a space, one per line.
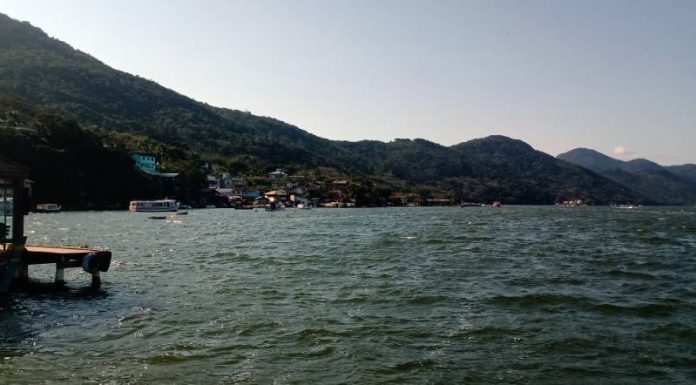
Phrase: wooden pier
pixel 90 260
pixel 16 256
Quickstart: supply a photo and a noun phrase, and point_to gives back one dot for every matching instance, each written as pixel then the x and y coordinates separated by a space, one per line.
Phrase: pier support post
pixel 96 281
pixel 60 274
pixel 23 274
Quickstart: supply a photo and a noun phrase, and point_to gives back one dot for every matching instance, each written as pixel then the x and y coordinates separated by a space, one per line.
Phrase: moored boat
pixel 157 206
pixel 48 208
pixel 274 206
pixel 626 206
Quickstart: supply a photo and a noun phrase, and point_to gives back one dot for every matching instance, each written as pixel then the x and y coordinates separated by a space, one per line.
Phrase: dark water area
pixel 521 295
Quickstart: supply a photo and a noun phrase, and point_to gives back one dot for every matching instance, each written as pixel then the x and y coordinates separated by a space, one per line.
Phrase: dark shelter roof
pixel 10 169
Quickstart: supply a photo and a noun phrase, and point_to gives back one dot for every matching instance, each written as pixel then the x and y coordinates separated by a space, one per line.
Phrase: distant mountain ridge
pixel 686 171
pixel 52 76
pixel 659 184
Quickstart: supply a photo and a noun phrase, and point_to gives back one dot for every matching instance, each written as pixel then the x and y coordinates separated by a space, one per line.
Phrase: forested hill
pixel 127 111
pixel 660 184
pixel 51 75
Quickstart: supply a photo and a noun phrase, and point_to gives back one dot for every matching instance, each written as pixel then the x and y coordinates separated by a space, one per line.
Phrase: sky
pixel 618 76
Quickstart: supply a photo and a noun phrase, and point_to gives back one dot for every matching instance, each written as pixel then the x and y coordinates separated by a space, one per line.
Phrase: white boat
pixel 626 206
pixel 158 206
pixel 48 208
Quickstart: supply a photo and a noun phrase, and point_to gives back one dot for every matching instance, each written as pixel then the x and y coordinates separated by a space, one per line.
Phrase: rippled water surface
pixel 542 295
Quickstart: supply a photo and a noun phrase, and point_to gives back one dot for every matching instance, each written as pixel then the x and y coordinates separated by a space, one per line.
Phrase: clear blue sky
pixel 557 74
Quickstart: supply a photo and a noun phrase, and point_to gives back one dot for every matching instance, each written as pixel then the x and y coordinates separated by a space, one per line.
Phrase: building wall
pixel 145 162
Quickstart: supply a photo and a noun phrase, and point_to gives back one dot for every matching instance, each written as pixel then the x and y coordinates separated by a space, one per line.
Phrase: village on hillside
pixel 326 188
pixel 223 189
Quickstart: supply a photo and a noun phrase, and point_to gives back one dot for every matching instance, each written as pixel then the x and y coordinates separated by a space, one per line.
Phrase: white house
pixel 277 175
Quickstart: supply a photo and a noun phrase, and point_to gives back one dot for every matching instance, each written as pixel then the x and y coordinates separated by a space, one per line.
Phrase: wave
pixel 315 333
pixel 655 240
pixel 250 329
pixel 535 281
pixel 174 357
pixel 538 299
pixel 644 310
pixel 545 299
pixel 359 299
pixel 571 345
pixel 489 333
pixel 426 299
pixel 677 331
pixel 410 366
pixel 230 256
pixel 630 274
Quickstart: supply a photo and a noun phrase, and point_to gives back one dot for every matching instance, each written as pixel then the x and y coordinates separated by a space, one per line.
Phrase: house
pixel 238 182
pixel 340 185
pixel 145 162
pixel 277 175
pixel 313 188
pixel 212 181
pixel 275 195
pixel 225 182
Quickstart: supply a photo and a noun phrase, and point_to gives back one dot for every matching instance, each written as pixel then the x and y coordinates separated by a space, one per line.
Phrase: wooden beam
pixel 18 213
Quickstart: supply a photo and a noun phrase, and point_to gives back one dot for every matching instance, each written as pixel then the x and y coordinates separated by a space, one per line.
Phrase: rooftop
pixel 9 168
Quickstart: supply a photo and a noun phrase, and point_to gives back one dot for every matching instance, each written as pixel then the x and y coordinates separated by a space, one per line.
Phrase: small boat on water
pixel 274 206
pixel 626 207
pixel 157 206
pixel 48 208
pixel 496 204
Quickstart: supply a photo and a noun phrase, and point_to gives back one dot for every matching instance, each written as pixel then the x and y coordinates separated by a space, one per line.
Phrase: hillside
pixel 56 77
pixel 663 185
pixel 685 171
pixel 127 112
pixel 591 159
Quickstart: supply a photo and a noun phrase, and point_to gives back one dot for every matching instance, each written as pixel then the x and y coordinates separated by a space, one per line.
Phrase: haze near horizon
pixel 617 77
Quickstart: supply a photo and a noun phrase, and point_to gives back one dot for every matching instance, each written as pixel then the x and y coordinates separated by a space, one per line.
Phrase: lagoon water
pixel 538 295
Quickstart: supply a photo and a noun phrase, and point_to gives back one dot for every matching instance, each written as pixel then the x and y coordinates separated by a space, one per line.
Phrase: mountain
pixel 40 75
pixel 591 159
pixel 659 184
pixel 56 77
pixel 686 171
pixel 530 175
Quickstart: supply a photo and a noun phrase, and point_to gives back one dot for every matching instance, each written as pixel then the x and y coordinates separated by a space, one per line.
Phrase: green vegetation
pixel 88 117
pixel 655 183
pixel 83 168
